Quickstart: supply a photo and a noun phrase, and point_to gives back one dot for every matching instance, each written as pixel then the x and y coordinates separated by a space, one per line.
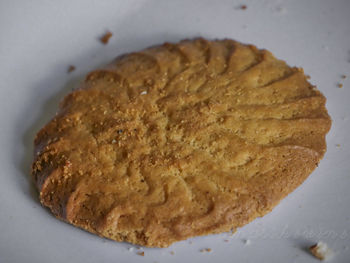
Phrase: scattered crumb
pixel 105 38
pixel 130 249
pixel 70 69
pixel 172 252
pixel 225 240
pixel 206 250
pixel 243 7
pixel 141 253
pixel 143 92
pixel 343 76
pixel 325 47
pixel 308 77
pixel 321 251
pixel 337 145
pixel 340 85
pixel 281 10
pixel 247 242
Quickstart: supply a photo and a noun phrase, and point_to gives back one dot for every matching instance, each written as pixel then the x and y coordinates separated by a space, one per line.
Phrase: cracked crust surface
pixel 180 140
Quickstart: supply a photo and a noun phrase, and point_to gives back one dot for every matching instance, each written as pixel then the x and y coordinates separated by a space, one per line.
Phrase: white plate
pixel 39 39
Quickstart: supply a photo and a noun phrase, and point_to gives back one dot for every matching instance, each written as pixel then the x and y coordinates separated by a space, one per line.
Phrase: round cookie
pixel 180 140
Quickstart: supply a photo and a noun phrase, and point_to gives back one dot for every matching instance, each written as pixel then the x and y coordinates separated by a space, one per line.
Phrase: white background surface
pixel 39 39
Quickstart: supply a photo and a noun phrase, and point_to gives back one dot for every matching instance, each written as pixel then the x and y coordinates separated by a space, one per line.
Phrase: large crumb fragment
pixel 105 38
pixel 321 251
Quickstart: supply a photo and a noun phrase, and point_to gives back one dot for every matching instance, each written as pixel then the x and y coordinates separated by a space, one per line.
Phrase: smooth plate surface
pixel 40 39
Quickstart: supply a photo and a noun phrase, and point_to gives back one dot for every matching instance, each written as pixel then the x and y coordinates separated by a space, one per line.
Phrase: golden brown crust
pixel 180 140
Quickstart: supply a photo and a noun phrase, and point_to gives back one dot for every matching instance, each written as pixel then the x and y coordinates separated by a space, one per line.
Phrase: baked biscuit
pixel 180 140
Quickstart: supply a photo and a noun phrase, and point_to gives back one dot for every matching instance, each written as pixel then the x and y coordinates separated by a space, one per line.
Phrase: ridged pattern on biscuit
pixel 180 140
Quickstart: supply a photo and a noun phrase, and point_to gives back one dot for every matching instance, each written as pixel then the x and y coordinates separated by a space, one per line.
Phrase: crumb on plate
pixel 70 69
pixel 321 251
pixel 281 10
pixel 141 253
pixel 105 38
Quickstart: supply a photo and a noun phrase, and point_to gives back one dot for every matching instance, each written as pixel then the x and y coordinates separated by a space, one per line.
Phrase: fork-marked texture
pixel 180 140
